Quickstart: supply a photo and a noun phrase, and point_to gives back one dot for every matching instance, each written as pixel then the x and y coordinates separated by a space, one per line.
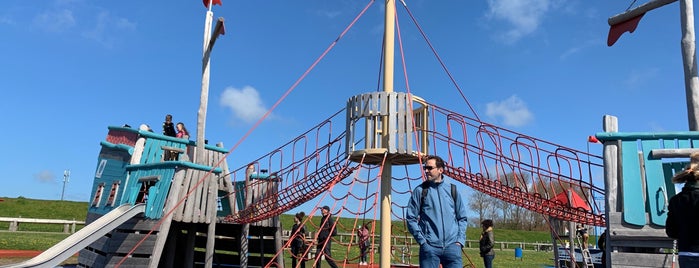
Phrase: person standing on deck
pixel 182 132
pixel 169 127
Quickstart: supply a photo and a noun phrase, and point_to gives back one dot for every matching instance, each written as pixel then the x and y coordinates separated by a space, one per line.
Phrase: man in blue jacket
pixel 436 217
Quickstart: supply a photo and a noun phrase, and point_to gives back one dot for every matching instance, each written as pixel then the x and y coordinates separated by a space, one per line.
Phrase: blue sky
pixel 71 68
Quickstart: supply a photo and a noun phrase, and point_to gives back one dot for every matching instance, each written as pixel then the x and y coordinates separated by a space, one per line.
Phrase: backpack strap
pixel 425 185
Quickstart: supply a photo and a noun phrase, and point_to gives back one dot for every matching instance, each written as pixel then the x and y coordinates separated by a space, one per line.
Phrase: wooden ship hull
pixel 152 207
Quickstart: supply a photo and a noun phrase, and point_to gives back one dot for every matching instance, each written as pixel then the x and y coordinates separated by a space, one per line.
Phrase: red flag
pixel 593 139
pixel 617 30
pixel 213 2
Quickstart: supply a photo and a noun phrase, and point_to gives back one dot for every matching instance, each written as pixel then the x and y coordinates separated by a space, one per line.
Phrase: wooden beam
pixel 632 13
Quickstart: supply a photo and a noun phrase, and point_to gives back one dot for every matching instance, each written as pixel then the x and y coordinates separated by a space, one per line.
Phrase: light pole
pixel 66 178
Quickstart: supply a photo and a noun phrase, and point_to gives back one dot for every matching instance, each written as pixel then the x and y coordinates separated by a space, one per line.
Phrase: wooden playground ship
pixel 159 201
pixel 184 206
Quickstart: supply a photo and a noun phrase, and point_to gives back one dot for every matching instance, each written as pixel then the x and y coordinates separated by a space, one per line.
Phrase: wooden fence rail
pixel 68 225
pixel 402 241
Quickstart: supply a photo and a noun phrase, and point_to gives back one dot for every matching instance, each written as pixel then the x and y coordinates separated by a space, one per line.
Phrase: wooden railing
pixel 68 225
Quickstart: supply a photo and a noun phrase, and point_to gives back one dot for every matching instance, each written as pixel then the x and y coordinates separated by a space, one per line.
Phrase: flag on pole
pixel 213 2
pixel 617 30
pixel 593 139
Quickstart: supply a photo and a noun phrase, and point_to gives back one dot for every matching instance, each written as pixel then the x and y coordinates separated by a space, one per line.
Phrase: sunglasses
pixel 428 168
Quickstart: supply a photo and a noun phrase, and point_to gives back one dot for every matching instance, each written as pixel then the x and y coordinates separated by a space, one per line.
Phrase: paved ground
pixel 11 253
pixel 9 256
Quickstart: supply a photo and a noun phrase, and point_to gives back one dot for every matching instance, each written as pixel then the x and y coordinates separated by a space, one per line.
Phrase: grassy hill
pixel 43 209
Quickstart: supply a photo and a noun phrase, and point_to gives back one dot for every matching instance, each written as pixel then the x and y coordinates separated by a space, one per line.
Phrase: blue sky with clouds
pixel 71 68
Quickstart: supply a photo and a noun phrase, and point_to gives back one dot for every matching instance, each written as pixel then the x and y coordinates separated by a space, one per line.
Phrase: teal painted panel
pixel 695 144
pixel 634 207
pixel 225 204
pixel 157 194
pixel 655 184
pixel 683 143
pixel 239 194
pixel 670 169
pixel 108 170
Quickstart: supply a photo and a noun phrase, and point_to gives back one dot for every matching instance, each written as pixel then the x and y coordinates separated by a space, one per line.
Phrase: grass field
pixel 43 236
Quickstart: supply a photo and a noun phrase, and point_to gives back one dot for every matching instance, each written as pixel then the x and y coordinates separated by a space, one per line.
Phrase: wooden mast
pixel 386 174
pixel 199 158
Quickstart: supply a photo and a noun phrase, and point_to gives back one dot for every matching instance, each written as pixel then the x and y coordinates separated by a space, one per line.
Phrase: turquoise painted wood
pixel 153 152
pixel 634 207
pixel 157 194
pixel 630 136
pixel 655 183
pixel 669 170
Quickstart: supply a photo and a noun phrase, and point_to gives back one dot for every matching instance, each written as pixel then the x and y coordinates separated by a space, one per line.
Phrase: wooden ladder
pixel 585 252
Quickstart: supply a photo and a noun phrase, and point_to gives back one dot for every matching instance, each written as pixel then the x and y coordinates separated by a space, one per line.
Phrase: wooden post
pixel 211 209
pixel 244 243
pixel 572 232
pixel 611 180
pixel 689 58
pixel 386 174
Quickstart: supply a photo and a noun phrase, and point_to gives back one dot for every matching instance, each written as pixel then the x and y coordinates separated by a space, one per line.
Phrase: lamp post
pixel 66 178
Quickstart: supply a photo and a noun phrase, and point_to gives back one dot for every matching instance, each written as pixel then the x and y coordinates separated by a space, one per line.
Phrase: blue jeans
pixel 488 261
pixel 432 257
pixel 689 261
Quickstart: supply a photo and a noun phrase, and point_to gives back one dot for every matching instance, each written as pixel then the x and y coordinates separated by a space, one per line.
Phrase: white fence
pixel 68 225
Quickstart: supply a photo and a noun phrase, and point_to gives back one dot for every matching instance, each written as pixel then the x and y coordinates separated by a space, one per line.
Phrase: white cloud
pixel 579 47
pixel 6 20
pixel 638 78
pixel 55 21
pixel 105 27
pixel 511 111
pixel 245 103
pixel 44 176
pixel 524 16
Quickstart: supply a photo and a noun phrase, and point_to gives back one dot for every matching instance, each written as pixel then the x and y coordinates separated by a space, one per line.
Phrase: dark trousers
pixel 363 252
pixel 324 249
pixel 298 254
pixel 488 261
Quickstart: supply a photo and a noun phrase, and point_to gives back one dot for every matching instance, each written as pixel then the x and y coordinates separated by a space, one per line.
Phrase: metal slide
pixel 60 252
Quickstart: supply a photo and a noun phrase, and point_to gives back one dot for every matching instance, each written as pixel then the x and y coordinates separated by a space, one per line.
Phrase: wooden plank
pixel 198 195
pixel 189 203
pixel 138 149
pixel 684 143
pixel 88 258
pixel 673 153
pixel 176 192
pixel 131 261
pixel 212 196
pixel 123 243
pixel 632 190
pixel 611 167
pixel 622 259
pixel 655 183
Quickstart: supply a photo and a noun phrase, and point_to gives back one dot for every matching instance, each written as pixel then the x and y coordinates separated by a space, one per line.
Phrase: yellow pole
pixel 386 176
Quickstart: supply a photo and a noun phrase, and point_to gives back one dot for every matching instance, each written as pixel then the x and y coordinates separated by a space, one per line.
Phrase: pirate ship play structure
pixel 159 201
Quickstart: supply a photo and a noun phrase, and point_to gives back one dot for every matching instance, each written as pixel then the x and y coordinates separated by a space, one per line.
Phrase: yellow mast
pixel 386 174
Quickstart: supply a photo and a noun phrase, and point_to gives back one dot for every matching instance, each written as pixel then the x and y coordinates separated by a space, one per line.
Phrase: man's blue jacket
pixel 441 221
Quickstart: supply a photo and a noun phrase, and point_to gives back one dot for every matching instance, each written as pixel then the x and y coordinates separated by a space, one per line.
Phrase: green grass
pixel 43 236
